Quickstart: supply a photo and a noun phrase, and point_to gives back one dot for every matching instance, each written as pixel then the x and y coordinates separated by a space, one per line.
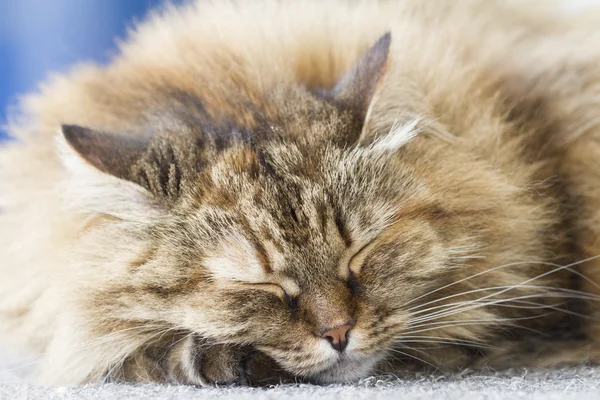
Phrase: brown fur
pixel 242 178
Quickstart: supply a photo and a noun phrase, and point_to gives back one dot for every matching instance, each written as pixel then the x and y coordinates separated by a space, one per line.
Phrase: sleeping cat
pixel 310 190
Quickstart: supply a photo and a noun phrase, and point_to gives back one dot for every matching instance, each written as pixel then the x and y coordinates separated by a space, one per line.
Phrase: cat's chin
pixel 330 366
pixel 347 368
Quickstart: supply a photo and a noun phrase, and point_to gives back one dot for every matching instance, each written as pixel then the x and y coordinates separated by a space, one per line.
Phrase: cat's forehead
pixel 294 193
pixel 285 230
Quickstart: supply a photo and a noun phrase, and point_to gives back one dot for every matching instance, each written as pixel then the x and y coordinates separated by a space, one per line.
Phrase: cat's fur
pixel 244 176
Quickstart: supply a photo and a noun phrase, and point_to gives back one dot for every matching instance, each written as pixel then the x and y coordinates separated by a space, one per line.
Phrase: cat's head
pixel 297 235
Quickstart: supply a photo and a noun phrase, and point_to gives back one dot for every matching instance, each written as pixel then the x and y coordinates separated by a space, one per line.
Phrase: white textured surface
pixel 572 383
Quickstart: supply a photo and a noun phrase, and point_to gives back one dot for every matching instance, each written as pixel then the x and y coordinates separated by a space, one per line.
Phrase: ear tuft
pixel 398 136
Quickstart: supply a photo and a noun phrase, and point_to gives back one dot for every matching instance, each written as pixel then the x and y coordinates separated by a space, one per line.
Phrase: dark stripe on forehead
pixel 263 257
pixel 268 236
pixel 261 252
pixel 342 228
pixel 322 218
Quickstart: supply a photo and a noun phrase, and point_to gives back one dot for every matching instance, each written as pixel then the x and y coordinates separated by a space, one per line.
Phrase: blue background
pixel 38 37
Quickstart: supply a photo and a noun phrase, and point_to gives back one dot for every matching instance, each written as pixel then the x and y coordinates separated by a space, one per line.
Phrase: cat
pixel 273 191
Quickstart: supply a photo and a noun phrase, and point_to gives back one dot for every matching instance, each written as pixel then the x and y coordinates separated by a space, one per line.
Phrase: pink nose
pixel 338 337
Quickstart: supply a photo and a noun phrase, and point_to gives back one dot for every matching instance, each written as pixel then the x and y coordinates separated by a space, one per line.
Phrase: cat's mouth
pixel 327 365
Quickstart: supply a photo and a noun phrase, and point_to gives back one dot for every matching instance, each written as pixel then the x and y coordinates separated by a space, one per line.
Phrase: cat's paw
pixel 261 370
pixel 197 362
pixel 191 360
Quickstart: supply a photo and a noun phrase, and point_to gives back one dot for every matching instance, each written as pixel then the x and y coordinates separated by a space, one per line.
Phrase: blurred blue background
pixel 42 36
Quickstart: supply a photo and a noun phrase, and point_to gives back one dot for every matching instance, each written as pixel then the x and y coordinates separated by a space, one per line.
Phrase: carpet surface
pixel 570 383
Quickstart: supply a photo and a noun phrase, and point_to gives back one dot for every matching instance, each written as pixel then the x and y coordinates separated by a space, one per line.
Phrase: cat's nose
pixel 338 337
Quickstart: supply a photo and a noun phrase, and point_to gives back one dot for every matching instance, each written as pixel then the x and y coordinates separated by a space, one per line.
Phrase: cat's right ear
pixel 356 91
pixel 98 169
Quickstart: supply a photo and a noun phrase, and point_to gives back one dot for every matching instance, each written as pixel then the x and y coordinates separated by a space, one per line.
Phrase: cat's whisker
pixel 478 304
pixel 558 268
pixel 463 294
pixel 454 340
pixel 459 281
pixel 429 348
pixel 564 293
pixel 567 294
pixel 449 342
pixel 452 324
pixel 590 296
pixel 415 357
pixel 539 306
pixel 452 309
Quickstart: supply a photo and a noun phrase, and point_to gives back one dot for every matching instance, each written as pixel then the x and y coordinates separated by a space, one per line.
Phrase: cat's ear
pixel 357 89
pixel 109 153
pixel 99 173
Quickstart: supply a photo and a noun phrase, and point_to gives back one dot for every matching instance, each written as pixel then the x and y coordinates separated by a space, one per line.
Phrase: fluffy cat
pixel 319 190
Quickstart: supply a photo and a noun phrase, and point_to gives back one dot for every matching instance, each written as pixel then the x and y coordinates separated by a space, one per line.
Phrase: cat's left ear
pixel 99 174
pixel 357 89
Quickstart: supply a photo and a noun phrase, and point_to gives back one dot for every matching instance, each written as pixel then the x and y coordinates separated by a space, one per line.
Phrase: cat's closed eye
pixel 356 261
pixel 353 283
pixel 274 288
pixel 291 301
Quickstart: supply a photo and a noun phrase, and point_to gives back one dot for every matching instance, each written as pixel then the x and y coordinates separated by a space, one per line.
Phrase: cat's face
pixel 309 251
pixel 281 259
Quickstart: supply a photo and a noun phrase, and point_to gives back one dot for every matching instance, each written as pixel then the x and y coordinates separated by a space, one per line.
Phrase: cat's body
pixel 457 176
